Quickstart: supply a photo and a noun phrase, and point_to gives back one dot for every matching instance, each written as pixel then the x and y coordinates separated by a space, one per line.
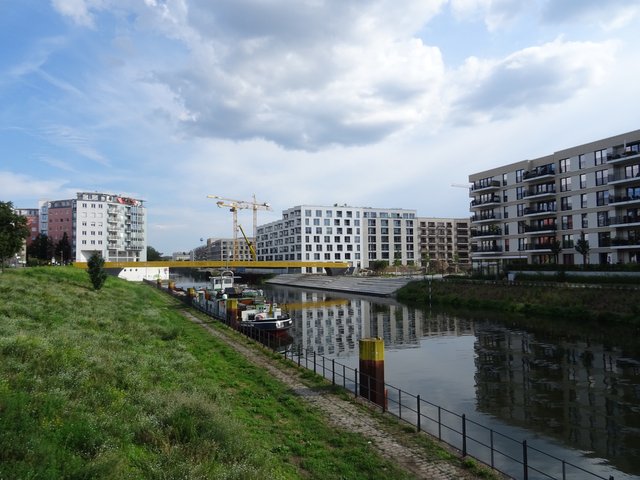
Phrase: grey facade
pixel 536 211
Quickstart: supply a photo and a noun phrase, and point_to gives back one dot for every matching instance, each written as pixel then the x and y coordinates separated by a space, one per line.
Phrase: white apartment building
pixel 113 225
pixel 356 235
pixel 535 211
pixel 221 249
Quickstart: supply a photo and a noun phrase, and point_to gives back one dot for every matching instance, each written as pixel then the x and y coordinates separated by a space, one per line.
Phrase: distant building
pixel 221 249
pixel 444 243
pixel 536 211
pixel 181 256
pixel 113 225
pixel 356 235
pixel 33 222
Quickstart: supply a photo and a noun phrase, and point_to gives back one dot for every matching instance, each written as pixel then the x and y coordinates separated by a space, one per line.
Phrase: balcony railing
pixel 485 217
pixel 623 219
pixel 619 156
pixel 537 193
pixel 493 199
pixel 536 246
pixel 486 249
pixel 485 185
pixel 624 242
pixel 537 211
pixel 486 233
pixel 538 172
pixel 623 198
pixel 539 228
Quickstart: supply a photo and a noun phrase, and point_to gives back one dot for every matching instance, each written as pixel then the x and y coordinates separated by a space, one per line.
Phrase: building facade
pixel 113 225
pixel 538 211
pixel 444 243
pixel 221 249
pixel 356 235
pixel 33 222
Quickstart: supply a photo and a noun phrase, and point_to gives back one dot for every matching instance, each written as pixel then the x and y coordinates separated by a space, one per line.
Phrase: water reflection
pixel 583 393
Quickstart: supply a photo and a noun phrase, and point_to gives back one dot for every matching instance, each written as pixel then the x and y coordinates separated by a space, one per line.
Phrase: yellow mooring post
pixel 372 370
pixel 232 310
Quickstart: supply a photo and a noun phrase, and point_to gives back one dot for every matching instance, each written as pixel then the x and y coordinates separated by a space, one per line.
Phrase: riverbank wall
pixel 373 286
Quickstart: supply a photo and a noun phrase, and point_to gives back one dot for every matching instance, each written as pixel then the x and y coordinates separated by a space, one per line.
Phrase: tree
pixel 378 265
pixel 582 247
pixel 556 248
pixel 153 255
pixel 41 248
pixel 95 268
pixel 13 231
pixel 63 249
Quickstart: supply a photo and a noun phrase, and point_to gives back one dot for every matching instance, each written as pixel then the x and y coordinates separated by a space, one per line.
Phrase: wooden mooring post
pixel 372 370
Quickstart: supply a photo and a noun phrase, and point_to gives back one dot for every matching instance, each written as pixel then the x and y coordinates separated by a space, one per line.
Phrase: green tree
pixel 397 258
pixel 378 265
pixel 153 255
pixel 556 248
pixel 95 268
pixel 13 231
pixel 582 247
pixel 41 249
pixel 63 249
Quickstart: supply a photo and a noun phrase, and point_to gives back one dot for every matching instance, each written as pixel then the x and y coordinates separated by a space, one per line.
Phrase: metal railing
pixel 513 457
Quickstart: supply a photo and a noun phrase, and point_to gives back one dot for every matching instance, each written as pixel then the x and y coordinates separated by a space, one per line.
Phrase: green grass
pixel 118 384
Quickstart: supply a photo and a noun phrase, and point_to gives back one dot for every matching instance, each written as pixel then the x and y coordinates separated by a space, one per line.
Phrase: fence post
pixel 323 370
pixel 439 422
pixel 464 435
pixel 333 371
pixel 400 404
pixel 299 354
pixel 419 422
pixel 355 388
pixel 314 362
pixel 344 377
pixel 524 460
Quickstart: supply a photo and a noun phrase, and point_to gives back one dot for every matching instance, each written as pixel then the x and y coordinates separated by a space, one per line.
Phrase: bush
pixel 96 270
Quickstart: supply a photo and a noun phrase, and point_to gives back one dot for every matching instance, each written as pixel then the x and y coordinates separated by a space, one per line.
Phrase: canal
pixel 571 391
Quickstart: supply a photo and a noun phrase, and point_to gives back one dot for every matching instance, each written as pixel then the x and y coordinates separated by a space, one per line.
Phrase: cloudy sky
pixel 380 103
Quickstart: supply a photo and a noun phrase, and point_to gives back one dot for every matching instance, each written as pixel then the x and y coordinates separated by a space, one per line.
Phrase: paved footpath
pixel 346 415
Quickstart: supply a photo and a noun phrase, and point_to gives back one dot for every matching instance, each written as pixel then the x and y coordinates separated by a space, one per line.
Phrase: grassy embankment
pixel 117 384
pixel 586 304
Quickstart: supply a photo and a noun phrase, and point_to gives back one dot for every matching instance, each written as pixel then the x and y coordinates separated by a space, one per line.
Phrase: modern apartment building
pixel 113 225
pixel 33 222
pixel 356 235
pixel 444 242
pixel 536 211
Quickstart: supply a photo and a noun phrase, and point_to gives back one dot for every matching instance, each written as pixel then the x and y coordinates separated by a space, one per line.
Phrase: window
pixel 504 179
pixel 520 209
pixel 632 171
pixel 565 203
pixel 582 161
pixel 585 221
pixel 583 200
pixel 603 219
pixel 601 177
pixel 519 193
pixel 565 184
pixel 602 198
pixel 583 180
pixel 565 165
pixel 600 157
pixel 519 174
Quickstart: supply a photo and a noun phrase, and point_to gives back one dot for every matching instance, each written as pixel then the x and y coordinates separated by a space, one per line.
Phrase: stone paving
pixel 347 415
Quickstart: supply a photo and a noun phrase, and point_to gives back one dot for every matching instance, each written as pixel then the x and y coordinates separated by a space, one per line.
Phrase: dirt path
pixel 346 415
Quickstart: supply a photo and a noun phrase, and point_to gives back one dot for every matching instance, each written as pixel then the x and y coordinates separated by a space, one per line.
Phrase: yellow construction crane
pixel 249 244
pixel 234 206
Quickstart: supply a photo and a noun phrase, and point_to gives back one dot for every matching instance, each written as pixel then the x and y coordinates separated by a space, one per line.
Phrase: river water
pixel 573 392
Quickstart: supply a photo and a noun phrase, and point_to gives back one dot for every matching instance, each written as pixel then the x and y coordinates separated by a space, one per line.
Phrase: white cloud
pixel 494 13
pixel 529 79
pixel 77 10
pixel 15 186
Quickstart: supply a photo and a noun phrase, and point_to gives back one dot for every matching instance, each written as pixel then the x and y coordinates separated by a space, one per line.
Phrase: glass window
pixel 600 157
pixel 519 174
pixel 583 180
pixel 582 161
pixel 565 184
pixel 565 165
pixel 583 200
pixel 601 177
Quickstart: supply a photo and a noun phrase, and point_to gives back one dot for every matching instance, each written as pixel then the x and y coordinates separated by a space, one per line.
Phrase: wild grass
pixel 117 384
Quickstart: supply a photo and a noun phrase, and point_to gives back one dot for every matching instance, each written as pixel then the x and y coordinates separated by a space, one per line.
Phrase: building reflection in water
pixel 582 393
pixel 579 392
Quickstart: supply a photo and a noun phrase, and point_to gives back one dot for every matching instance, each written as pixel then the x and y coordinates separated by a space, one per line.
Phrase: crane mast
pixel 234 206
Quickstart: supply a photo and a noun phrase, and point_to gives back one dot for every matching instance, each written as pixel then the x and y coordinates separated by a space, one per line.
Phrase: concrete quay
pixel 374 286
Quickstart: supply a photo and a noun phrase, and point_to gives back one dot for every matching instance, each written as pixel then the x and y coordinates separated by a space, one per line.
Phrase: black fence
pixel 513 457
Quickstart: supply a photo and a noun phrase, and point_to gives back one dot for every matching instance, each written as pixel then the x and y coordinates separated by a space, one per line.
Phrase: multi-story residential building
pixel 33 222
pixel 536 211
pixel 113 225
pixel 221 249
pixel 356 235
pixel 444 242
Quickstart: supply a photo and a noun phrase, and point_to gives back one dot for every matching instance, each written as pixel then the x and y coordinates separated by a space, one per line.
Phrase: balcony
pixel 492 232
pixel 486 249
pixel 485 185
pixel 621 243
pixel 621 178
pixel 540 229
pixel 536 247
pixel 623 157
pixel 486 218
pixel 531 212
pixel 536 193
pixel 541 173
pixel 627 199
pixel 494 200
pixel 624 221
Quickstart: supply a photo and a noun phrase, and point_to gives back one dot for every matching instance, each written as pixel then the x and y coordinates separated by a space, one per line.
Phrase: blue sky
pixel 381 103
